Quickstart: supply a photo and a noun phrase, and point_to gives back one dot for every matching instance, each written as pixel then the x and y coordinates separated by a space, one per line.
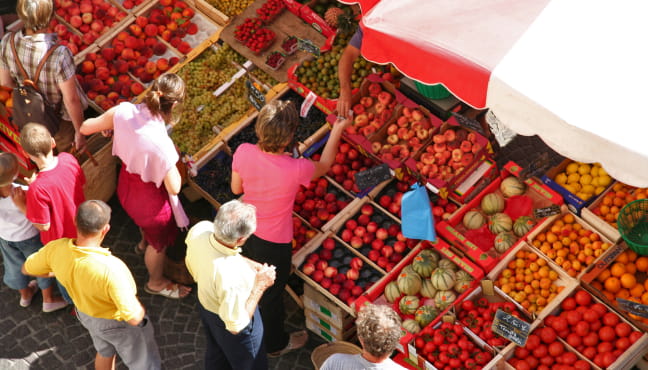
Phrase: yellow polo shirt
pixel 225 279
pixel 100 284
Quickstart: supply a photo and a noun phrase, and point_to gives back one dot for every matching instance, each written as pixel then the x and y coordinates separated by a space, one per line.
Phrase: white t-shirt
pixel 342 361
pixel 14 226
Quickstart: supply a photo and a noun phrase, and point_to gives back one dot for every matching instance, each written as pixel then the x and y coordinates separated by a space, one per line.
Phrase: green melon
pixel 504 241
pixel 423 265
pixel 392 292
pixel 499 223
pixel 512 186
pixel 523 225
pixel 408 304
pixel 409 283
pixel 444 298
pixel 443 279
pixel 427 289
pixel 425 315
pixel 447 264
pixel 492 203
pixel 411 326
pixel 463 281
pixel 431 254
pixel 473 220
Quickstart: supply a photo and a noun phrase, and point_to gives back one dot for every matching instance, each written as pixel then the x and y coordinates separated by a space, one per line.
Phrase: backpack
pixel 29 104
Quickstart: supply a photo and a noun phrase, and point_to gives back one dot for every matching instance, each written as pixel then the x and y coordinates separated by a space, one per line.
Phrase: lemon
pixel 573 178
pixel 602 171
pixel 604 180
pixel 589 189
pixel 595 171
pixel 585 179
pixel 583 196
pixel 584 169
pixel 595 182
pixel 571 188
pixel 571 168
pixel 561 178
pixel 599 190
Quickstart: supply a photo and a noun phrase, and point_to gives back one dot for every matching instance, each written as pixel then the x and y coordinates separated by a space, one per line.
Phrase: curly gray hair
pixel 379 329
pixel 234 220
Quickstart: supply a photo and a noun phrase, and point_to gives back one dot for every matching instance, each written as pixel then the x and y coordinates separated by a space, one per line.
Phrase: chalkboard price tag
pixel 546 211
pixel 308 46
pixel 633 307
pixel 255 96
pixel 373 176
pixel 511 328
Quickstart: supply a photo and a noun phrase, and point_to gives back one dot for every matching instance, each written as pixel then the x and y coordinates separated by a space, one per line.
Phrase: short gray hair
pixel 234 220
pixel 379 329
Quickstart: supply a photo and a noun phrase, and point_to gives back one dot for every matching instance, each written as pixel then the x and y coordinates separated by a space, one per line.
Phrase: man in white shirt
pixel 229 288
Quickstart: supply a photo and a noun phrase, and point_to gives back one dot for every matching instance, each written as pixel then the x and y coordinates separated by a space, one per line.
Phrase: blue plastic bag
pixel 418 222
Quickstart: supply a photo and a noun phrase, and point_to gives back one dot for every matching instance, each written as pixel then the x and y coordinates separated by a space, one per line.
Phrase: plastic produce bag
pixel 418 222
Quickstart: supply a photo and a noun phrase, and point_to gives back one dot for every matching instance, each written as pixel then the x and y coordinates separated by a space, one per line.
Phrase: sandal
pixel 171 291
pixel 297 340
pixel 34 288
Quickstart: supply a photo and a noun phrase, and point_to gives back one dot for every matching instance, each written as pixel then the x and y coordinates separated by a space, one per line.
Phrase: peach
pixel 150 67
pixel 135 30
pixel 101 62
pixel 102 73
pixel 450 135
pixel 457 154
pixel 97 25
pixel 159 49
pixel 119 47
pixel 108 53
pixel 162 64
pixel 175 42
pixel 192 29
pixel 99 98
pixel 122 36
pixel 87 67
pixel 136 88
pixel 466 146
pixel 145 77
pixel 141 21
pixel 76 21
pixel 106 104
pixel 184 47
pixel 402 121
pixel 92 94
pixel 127 54
pixel 87 18
pixel 130 42
pixel 151 30
pixel 146 52
pixel 173 61
pixel 166 35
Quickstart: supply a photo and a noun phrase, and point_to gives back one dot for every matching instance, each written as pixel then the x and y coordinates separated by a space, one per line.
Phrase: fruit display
pixel 202 110
pixel 215 178
pixel 320 75
pixel 132 4
pixel 571 245
pixel 270 10
pixel 449 153
pixel 591 328
pixel 319 202
pixel 348 162
pixel 302 234
pixel 447 346
pixel 174 23
pixel 337 269
pixel 289 45
pixel 253 35
pixel 477 314
pixel 529 280
pixel 583 179
pixel 230 8
pixel 624 277
pixel 377 236
pixel 275 59
pixel 610 205
pixel 544 350
pixel 372 111
pixel 90 18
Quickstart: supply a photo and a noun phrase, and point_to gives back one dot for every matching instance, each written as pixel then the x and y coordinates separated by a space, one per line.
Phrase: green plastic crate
pixel 432 91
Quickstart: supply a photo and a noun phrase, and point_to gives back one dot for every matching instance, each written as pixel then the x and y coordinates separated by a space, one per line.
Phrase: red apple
pixel 352 274
pixel 326 283
pixel 330 272
pixel 356 263
pixel 308 268
pixel 328 243
pixel 318 275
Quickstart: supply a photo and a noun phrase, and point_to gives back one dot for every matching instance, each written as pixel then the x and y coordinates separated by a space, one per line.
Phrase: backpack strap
pixel 40 65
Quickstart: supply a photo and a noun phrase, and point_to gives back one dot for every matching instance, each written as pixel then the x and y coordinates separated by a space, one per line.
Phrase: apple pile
pixel 390 197
pixel 301 234
pixel 252 33
pixel 348 162
pixel 338 270
pixel 171 21
pixel 91 18
pixel 405 137
pixel 377 236
pixel 319 202
pixel 372 111
pixel 270 10
pixel 448 154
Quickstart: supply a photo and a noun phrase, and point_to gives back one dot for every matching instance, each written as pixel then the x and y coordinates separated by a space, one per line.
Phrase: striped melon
pixel 444 298
pixel 409 283
pixel 473 220
pixel 523 225
pixel 447 264
pixel 443 279
pixel 504 241
pixel 412 326
pixel 427 289
pixel 425 315
pixel 431 254
pixel 499 223
pixel 392 292
pixel 423 265
pixel 408 304
pixel 463 281
pixel 492 203
pixel 512 186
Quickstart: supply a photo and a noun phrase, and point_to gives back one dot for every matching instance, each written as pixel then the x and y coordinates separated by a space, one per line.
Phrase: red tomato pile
pixel 544 351
pixel 477 315
pixel 592 329
pixel 448 347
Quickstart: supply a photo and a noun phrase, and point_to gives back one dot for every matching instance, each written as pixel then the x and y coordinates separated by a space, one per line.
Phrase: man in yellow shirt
pixel 229 288
pixel 102 288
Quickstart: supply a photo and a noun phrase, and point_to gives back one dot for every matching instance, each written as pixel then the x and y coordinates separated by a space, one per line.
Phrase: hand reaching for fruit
pixel 342 123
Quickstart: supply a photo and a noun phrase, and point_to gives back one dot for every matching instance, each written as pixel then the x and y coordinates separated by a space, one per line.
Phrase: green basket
pixel 432 91
pixel 633 225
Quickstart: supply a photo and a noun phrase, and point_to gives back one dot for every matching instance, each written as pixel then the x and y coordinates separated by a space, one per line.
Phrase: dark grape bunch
pixel 215 177
pixel 309 124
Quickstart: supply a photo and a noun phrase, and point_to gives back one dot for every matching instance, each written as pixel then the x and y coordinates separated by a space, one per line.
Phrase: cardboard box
pixel 485 173
pixel 332 335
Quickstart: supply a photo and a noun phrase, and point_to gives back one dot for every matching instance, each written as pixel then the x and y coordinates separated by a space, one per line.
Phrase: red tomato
pixel 549 361
pixel 521 352
pixel 590 316
pixel 591 339
pixel 419 343
pixel 560 324
pixel 532 361
pixel 429 347
pixel 454 363
pixel 582 298
pixel 582 328
pixel 589 352
pixel 522 365
pixel 582 365
pixel 467 305
pixel 556 349
pixel 596 325
pixel 608 359
pixel 573 317
pixel 569 358
pixel 598 360
pixel 623 343
pixel 547 335
pixel 599 308
pixel 543 367
pixel 634 336
pixel 532 342
pixel 568 304
pixel 604 347
pixel 549 320
pixel 623 329
pixel 610 319
pixel 607 334
pixel 574 340
pixel 540 351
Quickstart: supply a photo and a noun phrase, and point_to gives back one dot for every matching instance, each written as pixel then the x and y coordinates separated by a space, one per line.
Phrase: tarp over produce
pixel 573 72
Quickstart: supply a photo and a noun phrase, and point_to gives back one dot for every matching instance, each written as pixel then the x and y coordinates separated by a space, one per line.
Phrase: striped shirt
pixel 59 67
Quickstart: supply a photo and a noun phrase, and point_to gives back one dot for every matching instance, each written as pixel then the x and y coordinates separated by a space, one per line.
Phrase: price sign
pixel 255 96
pixel 633 307
pixel 539 166
pixel 511 328
pixel 308 46
pixel 373 176
pixel 472 124
pixel 546 211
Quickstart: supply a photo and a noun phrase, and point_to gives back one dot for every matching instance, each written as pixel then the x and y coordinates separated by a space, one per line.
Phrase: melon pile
pixel 425 288
pixel 500 224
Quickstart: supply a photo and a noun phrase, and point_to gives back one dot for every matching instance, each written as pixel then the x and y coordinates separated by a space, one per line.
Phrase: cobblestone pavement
pixel 30 339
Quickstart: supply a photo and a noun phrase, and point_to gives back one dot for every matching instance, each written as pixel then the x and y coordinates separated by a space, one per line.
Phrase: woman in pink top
pixel 149 180
pixel 269 178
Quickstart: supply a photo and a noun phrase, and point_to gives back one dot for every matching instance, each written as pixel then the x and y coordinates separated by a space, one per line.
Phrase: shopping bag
pixel 418 222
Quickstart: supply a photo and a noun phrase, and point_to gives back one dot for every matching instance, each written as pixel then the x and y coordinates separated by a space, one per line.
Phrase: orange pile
pixel 619 280
pixel 529 280
pixel 612 202
pixel 570 245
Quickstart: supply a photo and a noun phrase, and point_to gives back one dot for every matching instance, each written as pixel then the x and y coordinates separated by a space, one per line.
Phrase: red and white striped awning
pixel 573 72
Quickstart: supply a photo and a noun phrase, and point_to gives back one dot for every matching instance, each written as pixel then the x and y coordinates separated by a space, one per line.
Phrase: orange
pixel 623 257
pixel 642 264
pixel 597 285
pixel 617 269
pixel 637 290
pixel 628 280
pixel 603 275
pixel 568 218
pixel 623 294
pixel 612 284
pixel 631 268
pixel 644 298
pixel 632 255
